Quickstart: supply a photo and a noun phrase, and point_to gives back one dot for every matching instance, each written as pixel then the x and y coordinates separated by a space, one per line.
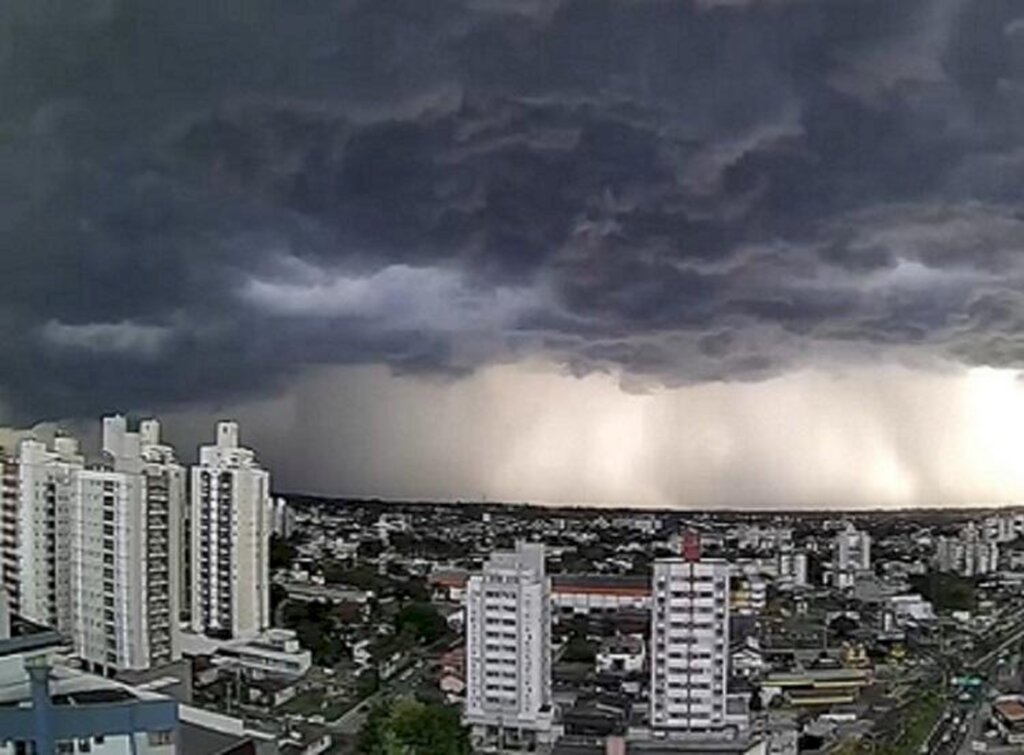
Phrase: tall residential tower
pixel 229 539
pixel 852 556
pixel 689 644
pixel 508 650
pixel 126 552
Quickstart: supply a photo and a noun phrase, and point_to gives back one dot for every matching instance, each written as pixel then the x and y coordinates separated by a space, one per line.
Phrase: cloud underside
pixel 195 206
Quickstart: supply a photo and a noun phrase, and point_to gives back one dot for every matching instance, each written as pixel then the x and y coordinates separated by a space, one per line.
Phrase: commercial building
pixel 508 651
pixel 229 539
pixel 689 645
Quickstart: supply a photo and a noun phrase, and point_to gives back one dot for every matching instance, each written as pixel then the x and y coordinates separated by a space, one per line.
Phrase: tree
pixel 411 727
pixel 367 683
pixel 422 621
pixel 282 553
pixel 316 629
pixel 947 592
pixel 579 650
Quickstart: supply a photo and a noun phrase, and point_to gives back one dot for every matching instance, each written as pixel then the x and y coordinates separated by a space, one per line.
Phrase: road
pixel 963 722
pixel 353 719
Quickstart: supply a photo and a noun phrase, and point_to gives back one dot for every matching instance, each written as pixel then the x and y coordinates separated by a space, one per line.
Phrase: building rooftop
pixel 1011 710
pixel 200 740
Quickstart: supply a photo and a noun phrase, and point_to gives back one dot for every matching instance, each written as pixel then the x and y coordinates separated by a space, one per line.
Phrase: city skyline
pixel 489 377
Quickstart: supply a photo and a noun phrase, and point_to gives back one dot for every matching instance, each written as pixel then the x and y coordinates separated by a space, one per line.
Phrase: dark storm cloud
pixel 197 199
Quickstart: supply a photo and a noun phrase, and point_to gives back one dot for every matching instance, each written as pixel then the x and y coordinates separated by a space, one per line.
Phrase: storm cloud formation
pixel 199 201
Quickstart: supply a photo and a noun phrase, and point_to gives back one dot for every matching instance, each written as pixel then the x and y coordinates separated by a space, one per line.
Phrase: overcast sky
pixel 673 252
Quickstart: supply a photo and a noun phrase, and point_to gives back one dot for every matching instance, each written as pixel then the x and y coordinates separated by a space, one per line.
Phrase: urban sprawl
pixel 149 606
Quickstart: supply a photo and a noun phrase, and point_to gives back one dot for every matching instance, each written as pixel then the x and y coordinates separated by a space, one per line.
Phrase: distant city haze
pixel 858 437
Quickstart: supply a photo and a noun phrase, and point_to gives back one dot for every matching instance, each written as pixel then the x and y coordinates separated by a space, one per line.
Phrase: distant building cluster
pixel 974 552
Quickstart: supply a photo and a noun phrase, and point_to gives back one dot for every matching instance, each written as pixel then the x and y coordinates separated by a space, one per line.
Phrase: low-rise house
pixel 623 654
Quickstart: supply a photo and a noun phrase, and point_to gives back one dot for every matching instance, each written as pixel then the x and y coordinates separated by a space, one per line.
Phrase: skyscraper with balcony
pixel 229 539
pixel 689 645
pixel 93 550
pixel 10 571
pixel 125 552
pixel 508 651
pixel 37 549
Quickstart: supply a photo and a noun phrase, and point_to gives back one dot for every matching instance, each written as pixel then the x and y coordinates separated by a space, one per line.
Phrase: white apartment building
pixel 792 567
pixel 508 651
pixel 689 646
pixel 968 555
pixel 1002 528
pixel 852 555
pixel 229 539
pixel 10 571
pixel 94 550
pixel 126 552
pixel 45 480
pixel 282 518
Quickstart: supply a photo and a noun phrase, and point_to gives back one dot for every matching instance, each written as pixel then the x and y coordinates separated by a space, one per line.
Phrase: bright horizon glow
pixel 884 436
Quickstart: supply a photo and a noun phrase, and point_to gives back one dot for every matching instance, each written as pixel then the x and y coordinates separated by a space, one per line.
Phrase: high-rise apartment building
pixel 689 645
pixel 125 552
pixel 970 555
pixel 10 571
pixel 852 555
pixel 45 491
pixel 282 518
pixel 508 651
pixel 229 539
pixel 93 550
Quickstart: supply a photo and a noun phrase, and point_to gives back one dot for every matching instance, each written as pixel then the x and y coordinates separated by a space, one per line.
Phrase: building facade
pixel 94 550
pixel 689 645
pixel 10 570
pixel 971 554
pixel 229 539
pixel 508 651
pixel 126 552
pixel 45 491
pixel 852 555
